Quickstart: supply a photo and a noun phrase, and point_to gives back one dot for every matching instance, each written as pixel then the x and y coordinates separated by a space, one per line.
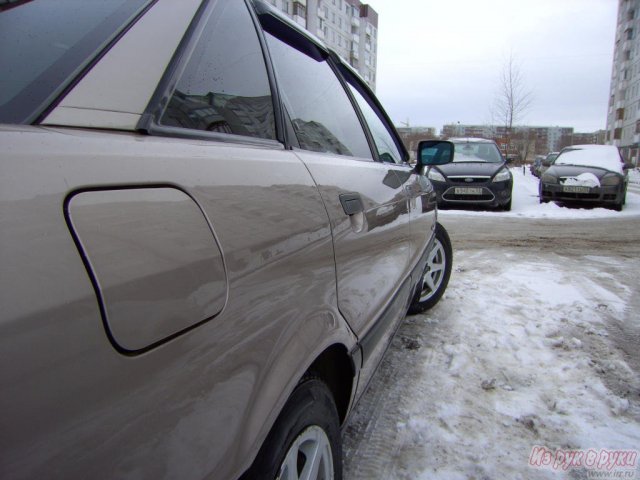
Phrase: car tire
pixel 507 206
pixel 435 277
pixel 308 427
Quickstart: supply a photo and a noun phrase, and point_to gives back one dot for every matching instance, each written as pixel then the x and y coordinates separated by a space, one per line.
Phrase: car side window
pixel 384 141
pixel 322 115
pixel 224 86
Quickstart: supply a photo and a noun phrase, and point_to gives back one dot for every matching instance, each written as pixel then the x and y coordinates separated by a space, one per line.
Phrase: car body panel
pixel 281 275
pixel 471 169
pixel 366 243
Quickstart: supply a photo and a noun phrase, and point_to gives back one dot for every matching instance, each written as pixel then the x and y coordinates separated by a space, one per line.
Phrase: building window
pixel 617 133
pixel 299 9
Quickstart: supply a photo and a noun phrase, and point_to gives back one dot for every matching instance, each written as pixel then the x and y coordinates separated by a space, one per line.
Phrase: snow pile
pixel 526 204
pixel 583 180
pixel 634 176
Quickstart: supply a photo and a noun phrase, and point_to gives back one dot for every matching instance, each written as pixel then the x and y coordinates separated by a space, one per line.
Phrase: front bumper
pixel 596 195
pixel 491 194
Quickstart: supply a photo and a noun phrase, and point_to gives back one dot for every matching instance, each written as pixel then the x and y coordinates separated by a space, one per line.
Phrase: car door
pixel 389 149
pixel 166 290
pixel 365 200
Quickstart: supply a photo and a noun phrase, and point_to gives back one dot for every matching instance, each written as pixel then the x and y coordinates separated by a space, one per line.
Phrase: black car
pixel 477 176
pixel 586 174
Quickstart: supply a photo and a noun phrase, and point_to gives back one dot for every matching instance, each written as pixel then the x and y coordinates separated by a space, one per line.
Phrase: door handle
pixel 351 203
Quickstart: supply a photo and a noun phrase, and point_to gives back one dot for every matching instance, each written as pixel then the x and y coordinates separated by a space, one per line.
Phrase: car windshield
pixel 58 39
pixel 551 157
pixel 485 152
pixel 599 156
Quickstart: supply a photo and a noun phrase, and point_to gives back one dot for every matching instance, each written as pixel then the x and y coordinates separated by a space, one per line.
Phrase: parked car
pixel 547 162
pixel 534 168
pixel 586 174
pixel 210 233
pixel 477 176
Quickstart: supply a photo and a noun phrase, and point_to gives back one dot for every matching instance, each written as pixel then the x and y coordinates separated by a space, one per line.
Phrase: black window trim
pixel 149 121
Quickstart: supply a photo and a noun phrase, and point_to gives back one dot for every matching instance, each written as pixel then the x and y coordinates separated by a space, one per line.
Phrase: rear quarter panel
pixel 199 404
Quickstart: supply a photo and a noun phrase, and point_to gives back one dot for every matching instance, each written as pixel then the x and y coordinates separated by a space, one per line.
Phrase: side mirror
pixel 434 152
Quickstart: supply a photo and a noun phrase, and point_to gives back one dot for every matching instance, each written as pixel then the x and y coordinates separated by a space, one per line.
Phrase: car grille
pixel 578 196
pixel 464 179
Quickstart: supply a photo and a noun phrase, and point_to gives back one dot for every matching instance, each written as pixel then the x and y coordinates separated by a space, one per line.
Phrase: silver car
pixel 209 234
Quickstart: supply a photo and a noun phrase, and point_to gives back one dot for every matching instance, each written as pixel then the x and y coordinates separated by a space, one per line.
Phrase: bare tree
pixel 524 141
pixel 513 99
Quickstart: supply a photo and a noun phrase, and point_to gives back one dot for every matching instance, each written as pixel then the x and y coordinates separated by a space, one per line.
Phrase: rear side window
pixel 44 44
pixel 386 146
pixel 320 110
pixel 224 86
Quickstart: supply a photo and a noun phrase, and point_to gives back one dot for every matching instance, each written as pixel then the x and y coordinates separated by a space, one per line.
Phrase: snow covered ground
pixel 526 204
pixel 523 351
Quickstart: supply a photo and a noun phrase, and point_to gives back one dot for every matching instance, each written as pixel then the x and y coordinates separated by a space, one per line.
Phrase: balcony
pixel 355 22
pixel 355 38
pixel 321 14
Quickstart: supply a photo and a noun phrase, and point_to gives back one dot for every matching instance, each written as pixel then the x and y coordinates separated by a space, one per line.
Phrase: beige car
pixel 209 234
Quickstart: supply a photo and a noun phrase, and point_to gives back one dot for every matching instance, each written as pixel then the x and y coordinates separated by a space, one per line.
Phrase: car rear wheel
pixel 304 443
pixel 435 277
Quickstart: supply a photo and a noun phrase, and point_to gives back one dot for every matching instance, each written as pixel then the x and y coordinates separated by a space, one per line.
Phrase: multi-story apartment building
pixel 349 27
pixel 623 119
pixel 546 139
pixel 411 136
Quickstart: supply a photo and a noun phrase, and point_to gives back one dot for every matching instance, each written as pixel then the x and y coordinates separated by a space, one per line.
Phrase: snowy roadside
pixel 516 355
pixel 526 204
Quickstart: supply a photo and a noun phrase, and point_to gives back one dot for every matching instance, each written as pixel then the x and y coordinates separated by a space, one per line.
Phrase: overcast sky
pixel 439 61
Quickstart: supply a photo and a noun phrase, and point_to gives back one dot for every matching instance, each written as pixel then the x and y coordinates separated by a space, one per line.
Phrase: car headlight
pixel 436 176
pixel 610 180
pixel 502 176
pixel 547 178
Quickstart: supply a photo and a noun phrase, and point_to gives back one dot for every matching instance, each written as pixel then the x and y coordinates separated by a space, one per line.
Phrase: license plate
pixel 468 191
pixel 574 189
